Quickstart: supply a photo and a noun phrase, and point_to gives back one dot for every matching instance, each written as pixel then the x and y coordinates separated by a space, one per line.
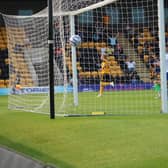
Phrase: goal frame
pixel 49 14
pixel 161 22
pixel 162 46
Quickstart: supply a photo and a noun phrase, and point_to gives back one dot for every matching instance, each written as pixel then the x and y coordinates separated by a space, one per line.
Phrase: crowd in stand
pixel 145 43
pixel 90 58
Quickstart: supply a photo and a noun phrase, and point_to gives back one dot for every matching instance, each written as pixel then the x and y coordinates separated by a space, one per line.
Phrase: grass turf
pixel 87 142
pixel 113 103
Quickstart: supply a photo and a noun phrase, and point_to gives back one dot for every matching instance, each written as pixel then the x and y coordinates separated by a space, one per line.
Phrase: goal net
pixel 115 70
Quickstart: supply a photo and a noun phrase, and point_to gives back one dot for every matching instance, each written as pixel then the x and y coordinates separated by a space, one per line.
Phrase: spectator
pixel 157 66
pixel 100 33
pixel 81 33
pixel 112 41
pixel 59 58
pixel 131 66
pixel 135 79
pixel 110 50
pixel 121 60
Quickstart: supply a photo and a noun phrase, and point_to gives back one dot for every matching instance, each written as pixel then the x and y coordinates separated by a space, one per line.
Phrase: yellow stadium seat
pixel 98 48
pixel 146 58
pixel 82 74
pixel 103 44
pixel 2 84
pixel 91 44
pixel 6 82
pixel 113 62
pixel 140 49
pixel 29 82
pixel 7 61
pixel 84 45
pixel 79 69
pixel 119 72
pixel 113 73
pixel 94 74
pixel 100 44
pixel 88 74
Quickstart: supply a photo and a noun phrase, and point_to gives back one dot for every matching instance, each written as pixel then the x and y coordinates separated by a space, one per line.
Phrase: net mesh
pixel 117 62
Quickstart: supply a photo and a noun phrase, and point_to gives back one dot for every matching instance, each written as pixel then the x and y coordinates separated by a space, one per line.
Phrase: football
pixel 75 40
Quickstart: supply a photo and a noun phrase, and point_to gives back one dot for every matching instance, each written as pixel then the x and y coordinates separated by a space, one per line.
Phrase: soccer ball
pixel 75 40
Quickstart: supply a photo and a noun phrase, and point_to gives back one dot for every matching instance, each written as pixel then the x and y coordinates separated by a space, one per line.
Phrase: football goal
pixel 118 67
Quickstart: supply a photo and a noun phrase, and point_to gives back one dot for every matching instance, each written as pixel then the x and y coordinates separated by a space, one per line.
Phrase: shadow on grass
pixel 32 153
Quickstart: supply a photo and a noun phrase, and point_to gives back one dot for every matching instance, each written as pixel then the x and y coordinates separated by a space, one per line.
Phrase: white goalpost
pixel 74 68
pixel 118 69
pixel 162 47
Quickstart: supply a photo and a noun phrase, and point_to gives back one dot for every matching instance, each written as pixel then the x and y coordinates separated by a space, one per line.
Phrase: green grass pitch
pixel 114 103
pixel 111 103
pixel 138 141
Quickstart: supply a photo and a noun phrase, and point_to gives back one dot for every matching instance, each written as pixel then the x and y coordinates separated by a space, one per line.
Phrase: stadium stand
pixel 146 54
pixel 147 48
pixel 4 62
pixel 89 62
pixel 89 57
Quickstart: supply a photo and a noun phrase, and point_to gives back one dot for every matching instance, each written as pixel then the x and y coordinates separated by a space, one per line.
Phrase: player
pixel 157 88
pixel 105 77
pixel 16 85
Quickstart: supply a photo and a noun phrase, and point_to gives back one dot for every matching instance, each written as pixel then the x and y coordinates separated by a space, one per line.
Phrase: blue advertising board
pixel 81 88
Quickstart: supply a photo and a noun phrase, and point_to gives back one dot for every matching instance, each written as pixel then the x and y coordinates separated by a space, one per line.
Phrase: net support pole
pixel 162 56
pixel 51 58
pixel 74 69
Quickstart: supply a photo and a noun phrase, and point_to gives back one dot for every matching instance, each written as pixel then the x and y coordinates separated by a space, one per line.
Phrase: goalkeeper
pixel 105 77
pixel 157 88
